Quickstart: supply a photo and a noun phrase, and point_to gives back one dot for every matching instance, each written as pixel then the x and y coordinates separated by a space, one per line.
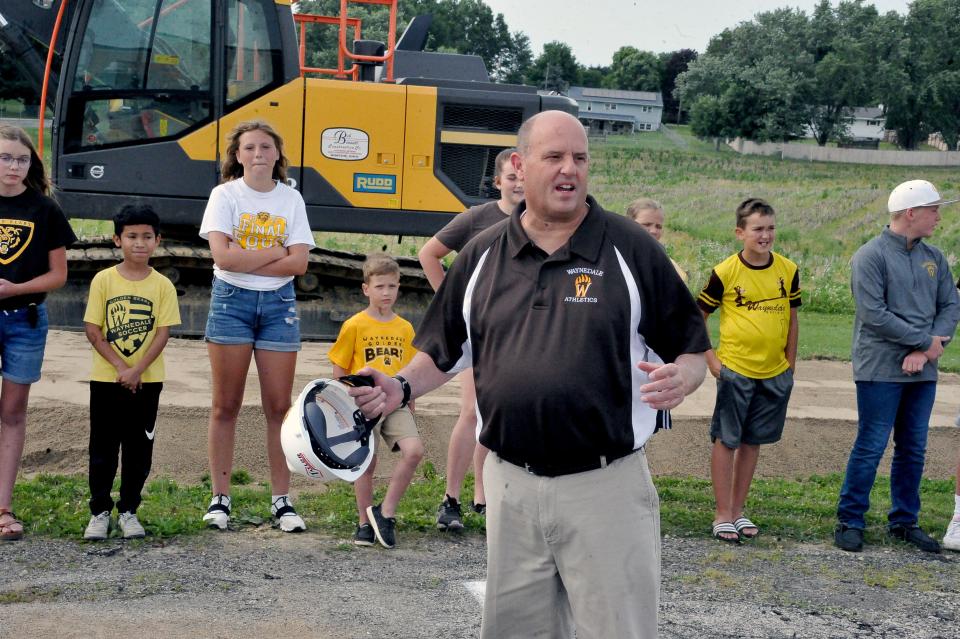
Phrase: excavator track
pixel 327 294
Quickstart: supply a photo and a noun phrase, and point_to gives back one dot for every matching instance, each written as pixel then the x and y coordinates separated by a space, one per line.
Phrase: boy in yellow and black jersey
pixel 757 292
pixel 130 310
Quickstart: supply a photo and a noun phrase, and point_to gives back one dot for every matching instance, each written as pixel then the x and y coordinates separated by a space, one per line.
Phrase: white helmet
pixel 324 435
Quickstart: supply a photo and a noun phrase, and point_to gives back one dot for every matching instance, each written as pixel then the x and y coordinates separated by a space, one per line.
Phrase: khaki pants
pixel 579 550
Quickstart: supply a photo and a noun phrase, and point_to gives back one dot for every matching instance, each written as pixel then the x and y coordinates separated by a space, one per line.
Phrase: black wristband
pixel 405 387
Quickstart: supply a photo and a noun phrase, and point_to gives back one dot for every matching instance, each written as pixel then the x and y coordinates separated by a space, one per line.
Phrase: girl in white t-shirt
pixel 260 237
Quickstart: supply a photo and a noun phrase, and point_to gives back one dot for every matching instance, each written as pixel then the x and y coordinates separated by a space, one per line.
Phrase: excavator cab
pixel 139 77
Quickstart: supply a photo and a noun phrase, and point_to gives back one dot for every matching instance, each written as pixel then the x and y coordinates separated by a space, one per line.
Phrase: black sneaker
pixel 914 535
pixel 449 515
pixel 847 538
pixel 383 527
pixel 480 509
pixel 364 536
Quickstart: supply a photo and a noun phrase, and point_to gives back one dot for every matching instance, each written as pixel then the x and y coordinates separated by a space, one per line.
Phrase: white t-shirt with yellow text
pixel 256 221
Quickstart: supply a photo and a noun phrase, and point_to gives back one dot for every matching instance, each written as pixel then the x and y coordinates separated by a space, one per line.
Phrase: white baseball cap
pixel 914 193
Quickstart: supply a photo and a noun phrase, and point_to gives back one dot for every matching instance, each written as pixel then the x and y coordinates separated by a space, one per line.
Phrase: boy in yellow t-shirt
pixel 380 338
pixel 129 313
pixel 758 293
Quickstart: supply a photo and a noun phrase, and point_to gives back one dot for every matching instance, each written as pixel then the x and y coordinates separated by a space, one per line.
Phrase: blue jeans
pixel 904 408
pixel 266 319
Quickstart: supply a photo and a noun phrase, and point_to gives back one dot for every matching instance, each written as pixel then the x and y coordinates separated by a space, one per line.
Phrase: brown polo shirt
pixel 554 339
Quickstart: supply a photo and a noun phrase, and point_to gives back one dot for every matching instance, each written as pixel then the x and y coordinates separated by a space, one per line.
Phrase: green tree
pixel 594 76
pixel 556 68
pixel 921 89
pixel 785 71
pixel 841 73
pixel 633 70
pixel 709 119
pixel 673 64
pixel 519 61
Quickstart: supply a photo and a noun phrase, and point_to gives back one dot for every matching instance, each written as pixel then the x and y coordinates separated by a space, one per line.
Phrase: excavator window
pixel 253 59
pixel 143 72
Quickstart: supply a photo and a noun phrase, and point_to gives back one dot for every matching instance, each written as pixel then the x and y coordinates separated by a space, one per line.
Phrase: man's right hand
pixel 936 347
pixel 382 398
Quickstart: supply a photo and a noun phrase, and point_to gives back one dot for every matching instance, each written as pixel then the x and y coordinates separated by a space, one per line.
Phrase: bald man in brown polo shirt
pixel 582 337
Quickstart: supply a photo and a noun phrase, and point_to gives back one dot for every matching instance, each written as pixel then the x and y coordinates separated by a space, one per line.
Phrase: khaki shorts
pixel 398 425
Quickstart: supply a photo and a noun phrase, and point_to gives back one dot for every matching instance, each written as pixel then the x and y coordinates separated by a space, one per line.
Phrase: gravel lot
pixel 260 582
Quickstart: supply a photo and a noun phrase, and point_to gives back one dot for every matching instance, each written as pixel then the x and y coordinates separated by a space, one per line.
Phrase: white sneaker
pixel 130 526
pixel 99 527
pixel 218 513
pixel 951 541
pixel 286 516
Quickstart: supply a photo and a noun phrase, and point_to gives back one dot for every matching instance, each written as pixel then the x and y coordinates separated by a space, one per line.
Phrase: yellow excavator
pixel 393 140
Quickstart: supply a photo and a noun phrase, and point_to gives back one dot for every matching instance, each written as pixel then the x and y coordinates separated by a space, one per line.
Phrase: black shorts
pixel 750 411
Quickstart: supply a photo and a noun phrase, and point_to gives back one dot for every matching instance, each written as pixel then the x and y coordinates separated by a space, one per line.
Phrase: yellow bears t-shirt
pixel 365 341
pixel 129 313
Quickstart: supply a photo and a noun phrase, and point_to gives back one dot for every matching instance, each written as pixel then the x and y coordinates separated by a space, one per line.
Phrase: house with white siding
pixel 867 124
pixel 611 111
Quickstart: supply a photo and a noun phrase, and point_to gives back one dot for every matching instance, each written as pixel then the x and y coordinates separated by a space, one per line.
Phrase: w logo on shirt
pixel 15 236
pixel 581 285
pixel 129 321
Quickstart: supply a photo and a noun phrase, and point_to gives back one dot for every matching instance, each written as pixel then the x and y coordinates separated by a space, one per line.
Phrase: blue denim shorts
pixel 266 319
pixel 22 345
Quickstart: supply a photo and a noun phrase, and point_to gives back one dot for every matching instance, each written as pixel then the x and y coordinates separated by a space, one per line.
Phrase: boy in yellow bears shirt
pixel 380 338
pixel 129 313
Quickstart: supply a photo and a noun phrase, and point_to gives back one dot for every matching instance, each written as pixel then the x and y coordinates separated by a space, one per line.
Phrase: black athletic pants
pixel 121 423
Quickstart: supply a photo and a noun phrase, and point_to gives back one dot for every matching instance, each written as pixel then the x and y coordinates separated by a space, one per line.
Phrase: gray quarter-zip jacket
pixel 903 296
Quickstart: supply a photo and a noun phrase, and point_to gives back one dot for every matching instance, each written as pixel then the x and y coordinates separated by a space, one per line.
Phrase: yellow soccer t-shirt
pixel 754 303
pixel 129 313
pixel 365 341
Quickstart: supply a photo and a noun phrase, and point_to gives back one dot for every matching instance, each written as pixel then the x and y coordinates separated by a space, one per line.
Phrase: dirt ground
pixel 257 581
pixel 821 423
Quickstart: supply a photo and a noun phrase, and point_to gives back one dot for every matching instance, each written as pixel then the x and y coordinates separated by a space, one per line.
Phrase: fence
pixel 814 153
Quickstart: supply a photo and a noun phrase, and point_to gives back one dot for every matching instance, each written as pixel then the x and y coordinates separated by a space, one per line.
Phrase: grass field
pixel 792 510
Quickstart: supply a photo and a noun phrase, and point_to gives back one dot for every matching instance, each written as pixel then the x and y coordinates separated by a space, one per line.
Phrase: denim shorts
pixel 266 319
pixel 22 345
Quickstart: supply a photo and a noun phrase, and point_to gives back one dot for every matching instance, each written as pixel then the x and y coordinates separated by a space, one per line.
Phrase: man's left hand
pixel 665 389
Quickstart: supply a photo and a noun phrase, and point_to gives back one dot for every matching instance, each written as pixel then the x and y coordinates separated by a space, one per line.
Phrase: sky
pixel 595 29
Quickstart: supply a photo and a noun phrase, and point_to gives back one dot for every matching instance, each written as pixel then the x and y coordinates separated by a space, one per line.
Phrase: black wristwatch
pixel 405 387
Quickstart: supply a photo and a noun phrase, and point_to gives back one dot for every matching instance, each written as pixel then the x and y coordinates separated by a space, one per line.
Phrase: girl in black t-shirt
pixel 34 235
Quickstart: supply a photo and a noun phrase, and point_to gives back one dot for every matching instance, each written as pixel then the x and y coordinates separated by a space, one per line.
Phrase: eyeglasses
pixel 9 160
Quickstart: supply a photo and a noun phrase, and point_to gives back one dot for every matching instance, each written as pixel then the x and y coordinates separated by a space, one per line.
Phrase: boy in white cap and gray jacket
pixel 907 309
